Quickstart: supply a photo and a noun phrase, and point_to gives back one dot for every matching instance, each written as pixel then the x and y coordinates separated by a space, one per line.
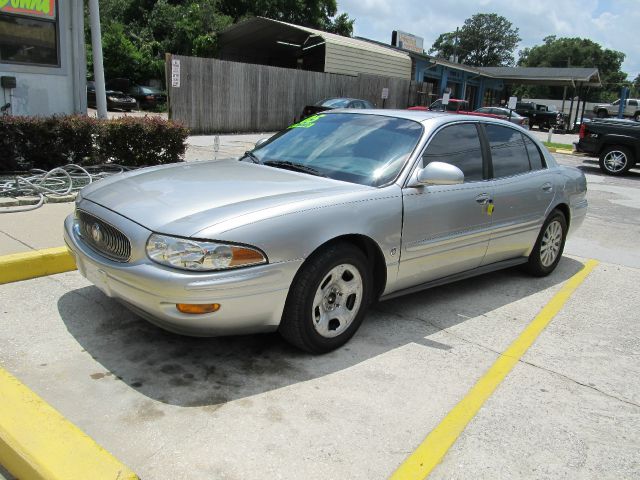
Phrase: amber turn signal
pixel 198 308
pixel 245 256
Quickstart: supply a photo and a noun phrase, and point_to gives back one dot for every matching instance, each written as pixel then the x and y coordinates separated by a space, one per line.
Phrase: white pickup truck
pixel 631 109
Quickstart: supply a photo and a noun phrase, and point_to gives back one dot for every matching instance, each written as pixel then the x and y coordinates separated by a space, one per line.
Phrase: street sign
pixel 445 98
pixel 175 73
pixel 385 93
pixel 512 103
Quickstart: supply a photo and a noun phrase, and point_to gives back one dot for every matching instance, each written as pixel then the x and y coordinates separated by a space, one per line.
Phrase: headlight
pixel 113 99
pixel 200 256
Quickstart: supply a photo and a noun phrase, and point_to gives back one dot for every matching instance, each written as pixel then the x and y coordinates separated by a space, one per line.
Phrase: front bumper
pixel 252 299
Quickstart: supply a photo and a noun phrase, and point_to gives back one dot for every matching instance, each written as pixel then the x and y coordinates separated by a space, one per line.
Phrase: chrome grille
pixel 103 238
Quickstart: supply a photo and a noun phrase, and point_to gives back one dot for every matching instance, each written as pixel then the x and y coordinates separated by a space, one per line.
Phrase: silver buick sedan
pixel 343 209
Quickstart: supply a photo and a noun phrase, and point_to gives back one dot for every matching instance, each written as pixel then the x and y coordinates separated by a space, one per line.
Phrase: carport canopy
pixel 551 76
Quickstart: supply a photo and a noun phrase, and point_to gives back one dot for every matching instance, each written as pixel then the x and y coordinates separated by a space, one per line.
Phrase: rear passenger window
pixel 535 157
pixel 508 153
pixel 458 145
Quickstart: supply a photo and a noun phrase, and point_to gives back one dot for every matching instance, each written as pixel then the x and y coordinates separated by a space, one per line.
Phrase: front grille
pixel 104 238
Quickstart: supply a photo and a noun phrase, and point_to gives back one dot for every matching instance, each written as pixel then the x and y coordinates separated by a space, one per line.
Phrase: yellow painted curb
pixel 434 447
pixel 23 266
pixel 37 442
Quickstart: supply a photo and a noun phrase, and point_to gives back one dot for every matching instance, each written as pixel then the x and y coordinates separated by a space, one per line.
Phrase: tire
pixel 602 114
pixel 549 246
pixel 636 117
pixel 327 299
pixel 616 160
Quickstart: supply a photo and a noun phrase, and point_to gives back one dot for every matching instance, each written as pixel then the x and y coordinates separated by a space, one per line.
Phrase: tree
pixel 320 14
pixel 485 40
pixel 575 52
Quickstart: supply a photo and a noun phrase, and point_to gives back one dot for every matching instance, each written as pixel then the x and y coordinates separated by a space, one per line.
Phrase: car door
pixel 522 189
pixel 446 228
pixel 631 107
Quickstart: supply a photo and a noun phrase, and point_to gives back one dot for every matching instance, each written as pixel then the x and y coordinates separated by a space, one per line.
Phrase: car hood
pixel 183 199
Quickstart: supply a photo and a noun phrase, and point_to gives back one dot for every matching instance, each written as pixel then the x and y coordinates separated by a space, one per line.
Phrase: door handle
pixel 483 199
pixel 547 187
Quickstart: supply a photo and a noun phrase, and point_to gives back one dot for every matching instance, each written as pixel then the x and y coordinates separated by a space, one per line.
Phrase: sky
pixel 611 23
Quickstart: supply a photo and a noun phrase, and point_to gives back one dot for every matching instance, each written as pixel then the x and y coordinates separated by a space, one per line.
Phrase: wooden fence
pixel 217 96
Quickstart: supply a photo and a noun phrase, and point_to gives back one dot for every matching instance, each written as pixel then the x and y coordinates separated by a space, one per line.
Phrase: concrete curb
pixel 37 442
pixel 561 150
pixel 38 263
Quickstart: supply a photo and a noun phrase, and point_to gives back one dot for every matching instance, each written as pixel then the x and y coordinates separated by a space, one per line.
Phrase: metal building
pixel 271 42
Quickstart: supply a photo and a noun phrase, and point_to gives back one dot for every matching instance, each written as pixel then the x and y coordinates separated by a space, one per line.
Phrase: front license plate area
pixel 97 276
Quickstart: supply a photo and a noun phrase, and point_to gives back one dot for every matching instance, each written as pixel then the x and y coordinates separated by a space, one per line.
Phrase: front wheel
pixel 327 299
pixel 616 160
pixel 549 246
pixel 602 114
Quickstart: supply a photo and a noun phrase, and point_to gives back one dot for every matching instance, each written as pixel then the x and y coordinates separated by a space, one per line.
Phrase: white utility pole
pixel 98 69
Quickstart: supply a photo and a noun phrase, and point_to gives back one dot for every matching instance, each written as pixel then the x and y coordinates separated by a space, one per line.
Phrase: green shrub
pixel 49 142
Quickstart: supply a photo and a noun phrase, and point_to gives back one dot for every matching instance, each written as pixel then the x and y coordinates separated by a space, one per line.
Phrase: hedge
pixel 49 142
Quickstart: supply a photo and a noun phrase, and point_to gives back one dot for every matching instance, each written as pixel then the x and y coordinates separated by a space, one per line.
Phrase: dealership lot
pixel 254 407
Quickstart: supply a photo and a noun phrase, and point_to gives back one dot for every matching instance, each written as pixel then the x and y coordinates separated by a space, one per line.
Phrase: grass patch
pixel 564 146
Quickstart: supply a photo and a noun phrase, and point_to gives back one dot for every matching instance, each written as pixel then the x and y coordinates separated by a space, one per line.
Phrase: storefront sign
pixel 30 8
pixel 407 41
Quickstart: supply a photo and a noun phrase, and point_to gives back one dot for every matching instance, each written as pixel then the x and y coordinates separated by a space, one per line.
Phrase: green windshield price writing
pixel 307 122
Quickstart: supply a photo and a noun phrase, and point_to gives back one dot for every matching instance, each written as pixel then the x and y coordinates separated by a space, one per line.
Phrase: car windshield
pixel 334 103
pixel 364 149
pixel 150 90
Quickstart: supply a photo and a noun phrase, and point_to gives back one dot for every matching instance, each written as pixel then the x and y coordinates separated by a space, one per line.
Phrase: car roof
pixel 422 116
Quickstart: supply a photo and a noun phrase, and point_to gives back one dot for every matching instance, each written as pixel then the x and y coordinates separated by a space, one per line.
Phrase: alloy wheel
pixel 615 161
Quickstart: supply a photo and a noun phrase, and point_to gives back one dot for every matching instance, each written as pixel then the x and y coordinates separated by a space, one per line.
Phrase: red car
pixel 455 105
pixel 461 107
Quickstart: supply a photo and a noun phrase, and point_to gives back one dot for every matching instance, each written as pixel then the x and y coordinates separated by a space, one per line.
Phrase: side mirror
pixel 261 142
pixel 438 173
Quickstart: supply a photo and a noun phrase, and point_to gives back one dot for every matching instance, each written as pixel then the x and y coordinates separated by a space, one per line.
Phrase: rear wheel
pixel 636 117
pixel 616 160
pixel 549 246
pixel 327 299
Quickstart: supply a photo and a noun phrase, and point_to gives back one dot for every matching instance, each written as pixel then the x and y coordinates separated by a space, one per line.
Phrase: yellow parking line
pixel 434 447
pixel 38 263
pixel 37 442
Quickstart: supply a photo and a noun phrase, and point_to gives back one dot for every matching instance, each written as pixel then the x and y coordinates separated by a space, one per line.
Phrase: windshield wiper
pixel 296 167
pixel 252 156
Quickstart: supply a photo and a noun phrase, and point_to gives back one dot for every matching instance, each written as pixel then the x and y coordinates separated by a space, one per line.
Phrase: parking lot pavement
pixel 33 230
pixel 253 407
pixel 543 136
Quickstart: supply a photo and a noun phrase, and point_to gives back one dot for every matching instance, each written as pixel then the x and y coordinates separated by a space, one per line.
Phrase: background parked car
pixel 331 103
pixel 115 99
pixel 505 114
pixel 148 97
pixel 455 105
pixel 631 109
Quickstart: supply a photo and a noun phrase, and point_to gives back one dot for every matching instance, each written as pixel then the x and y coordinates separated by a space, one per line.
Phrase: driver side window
pixel 457 145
